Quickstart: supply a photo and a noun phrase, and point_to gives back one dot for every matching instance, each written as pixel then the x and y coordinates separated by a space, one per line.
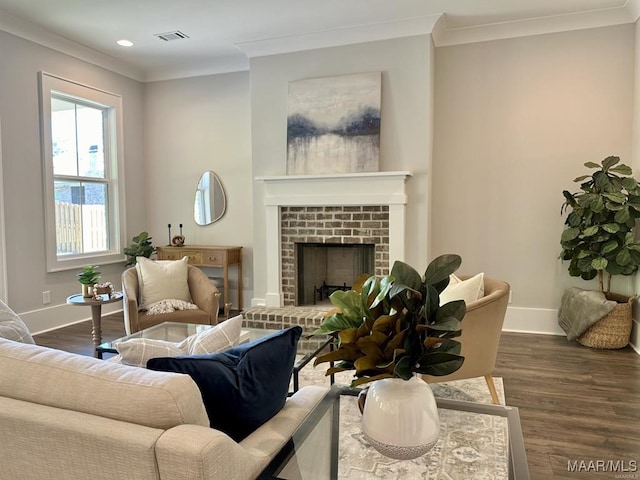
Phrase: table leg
pixel 96 332
pixel 240 283
pixel 225 282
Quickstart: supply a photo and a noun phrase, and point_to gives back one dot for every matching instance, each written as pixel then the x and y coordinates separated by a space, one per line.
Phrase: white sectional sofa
pixel 66 416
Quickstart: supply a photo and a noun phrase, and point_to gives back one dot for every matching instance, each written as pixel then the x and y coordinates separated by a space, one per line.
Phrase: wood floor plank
pixel 575 403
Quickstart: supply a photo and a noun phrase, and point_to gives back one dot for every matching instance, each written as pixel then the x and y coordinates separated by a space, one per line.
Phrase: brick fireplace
pixel 338 224
pixel 346 208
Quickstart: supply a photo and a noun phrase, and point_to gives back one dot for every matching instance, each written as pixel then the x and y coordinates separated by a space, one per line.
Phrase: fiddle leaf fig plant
pixel 599 238
pixel 141 246
pixel 394 326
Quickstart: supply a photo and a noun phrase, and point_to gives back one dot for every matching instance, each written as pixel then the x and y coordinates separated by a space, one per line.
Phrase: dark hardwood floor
pixel 576 404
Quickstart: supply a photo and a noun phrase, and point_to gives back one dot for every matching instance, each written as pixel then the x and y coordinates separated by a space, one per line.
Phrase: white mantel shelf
pixel 330 176
pixel 369 188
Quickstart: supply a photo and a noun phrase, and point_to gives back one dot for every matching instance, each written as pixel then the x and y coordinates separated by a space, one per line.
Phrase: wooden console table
pixel 209 256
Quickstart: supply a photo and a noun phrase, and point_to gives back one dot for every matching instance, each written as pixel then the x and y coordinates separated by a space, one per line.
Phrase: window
pixel 82 158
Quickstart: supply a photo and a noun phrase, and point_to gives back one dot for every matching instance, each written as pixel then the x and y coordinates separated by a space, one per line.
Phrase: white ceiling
pixel 224 33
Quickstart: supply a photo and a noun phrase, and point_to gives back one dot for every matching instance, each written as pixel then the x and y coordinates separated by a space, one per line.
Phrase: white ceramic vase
pixel 400 417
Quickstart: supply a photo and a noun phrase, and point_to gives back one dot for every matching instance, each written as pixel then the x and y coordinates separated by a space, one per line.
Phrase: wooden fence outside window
pixel 80 228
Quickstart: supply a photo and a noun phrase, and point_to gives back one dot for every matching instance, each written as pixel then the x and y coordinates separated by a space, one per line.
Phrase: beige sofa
pixel 66 416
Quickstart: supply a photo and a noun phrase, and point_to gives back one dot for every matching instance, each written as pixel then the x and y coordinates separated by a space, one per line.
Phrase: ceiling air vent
pixel 168 36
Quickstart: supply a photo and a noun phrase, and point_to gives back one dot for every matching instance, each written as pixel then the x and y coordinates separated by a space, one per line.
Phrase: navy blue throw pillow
pixel 244 386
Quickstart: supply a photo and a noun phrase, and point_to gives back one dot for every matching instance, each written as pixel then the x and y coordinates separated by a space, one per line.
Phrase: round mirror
pixel 210 203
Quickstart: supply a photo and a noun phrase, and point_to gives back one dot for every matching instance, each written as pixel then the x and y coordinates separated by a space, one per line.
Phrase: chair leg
pixel 492 389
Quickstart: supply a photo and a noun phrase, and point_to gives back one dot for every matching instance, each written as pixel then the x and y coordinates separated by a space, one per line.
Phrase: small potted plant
pixel 141 246
pixel 88 277
pixel 599 240
pixel 390 330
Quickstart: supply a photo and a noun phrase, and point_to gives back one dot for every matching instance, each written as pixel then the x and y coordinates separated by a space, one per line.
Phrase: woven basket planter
pixel 613 330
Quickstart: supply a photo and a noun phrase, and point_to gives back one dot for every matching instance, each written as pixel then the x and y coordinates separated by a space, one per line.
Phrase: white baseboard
pixel 258 302
pixel 544 321
pixel 531 320
pixel 56 316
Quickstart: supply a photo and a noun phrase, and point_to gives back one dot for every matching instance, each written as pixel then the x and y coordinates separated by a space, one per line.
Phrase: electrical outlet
pixel 46 297
pixel 510 295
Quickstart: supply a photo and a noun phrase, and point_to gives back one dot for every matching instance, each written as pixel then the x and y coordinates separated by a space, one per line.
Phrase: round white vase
pixel 400 418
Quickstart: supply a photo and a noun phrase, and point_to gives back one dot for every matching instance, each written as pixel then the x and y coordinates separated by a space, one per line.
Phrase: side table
pixel 96 312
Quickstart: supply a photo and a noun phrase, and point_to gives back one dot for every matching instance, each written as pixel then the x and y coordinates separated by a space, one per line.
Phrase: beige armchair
pixel 481 330
pixel 203 292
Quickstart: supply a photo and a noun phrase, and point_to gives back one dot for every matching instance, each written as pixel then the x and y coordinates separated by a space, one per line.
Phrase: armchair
pixel 481 330
pixel 203 293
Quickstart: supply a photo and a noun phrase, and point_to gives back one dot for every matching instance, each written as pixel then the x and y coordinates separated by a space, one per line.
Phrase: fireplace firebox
pixel 323 268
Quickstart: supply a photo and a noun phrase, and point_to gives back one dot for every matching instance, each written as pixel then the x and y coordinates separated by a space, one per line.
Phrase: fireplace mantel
pixel 370 188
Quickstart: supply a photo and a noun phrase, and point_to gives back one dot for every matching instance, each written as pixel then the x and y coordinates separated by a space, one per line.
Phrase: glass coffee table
pixel 177 331
pixel 477 441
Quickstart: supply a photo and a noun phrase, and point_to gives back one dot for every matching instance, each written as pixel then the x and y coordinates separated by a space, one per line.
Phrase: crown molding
pixel 31 32
pixel 434 25
pixel 408 27
pixel 444 36
pixel 633 7
pixel 231 64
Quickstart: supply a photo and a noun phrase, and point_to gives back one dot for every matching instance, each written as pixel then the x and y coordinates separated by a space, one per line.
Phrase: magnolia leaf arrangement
pixel 141 246
pixel 394 326
pixel 599 237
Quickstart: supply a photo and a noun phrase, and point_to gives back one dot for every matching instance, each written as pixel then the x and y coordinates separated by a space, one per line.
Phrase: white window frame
pixel 114 171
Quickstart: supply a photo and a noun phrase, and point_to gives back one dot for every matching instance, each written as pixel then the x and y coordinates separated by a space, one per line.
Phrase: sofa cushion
pixel 162 280
pixel 244 386
pixel 137 351
pixel 12 327
pixel 468 290
pixel 85 384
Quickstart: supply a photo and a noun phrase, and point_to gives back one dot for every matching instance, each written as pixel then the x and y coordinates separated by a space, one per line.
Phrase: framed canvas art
pixel 333 124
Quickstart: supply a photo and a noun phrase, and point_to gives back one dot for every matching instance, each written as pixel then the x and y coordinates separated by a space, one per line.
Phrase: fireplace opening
pixel 323 268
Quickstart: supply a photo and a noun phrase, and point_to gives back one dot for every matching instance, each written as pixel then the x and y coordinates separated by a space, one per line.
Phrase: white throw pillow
pixel 468 290
pixel 162 280
pixel 137 351
pixel 12 327
pixel 222 336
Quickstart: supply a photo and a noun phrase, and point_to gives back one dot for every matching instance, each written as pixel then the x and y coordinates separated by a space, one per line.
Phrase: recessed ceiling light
pixel 125 43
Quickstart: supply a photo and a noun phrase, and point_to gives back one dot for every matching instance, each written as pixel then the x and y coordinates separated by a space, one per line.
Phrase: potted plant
pixel 141 246
pixel 599 239
pixel 391 329
pixel 88 277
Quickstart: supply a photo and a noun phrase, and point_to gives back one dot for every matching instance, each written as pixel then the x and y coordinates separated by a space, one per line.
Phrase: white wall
pixel 193 125
pixel 635 164
pixel 22 187
pixel 515 120
pixel 405 130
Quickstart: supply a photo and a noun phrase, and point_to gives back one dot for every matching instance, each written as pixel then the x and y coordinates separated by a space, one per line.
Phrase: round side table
pixel 96 312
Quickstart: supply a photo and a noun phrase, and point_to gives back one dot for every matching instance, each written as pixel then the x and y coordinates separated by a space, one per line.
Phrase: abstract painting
pixel 333 124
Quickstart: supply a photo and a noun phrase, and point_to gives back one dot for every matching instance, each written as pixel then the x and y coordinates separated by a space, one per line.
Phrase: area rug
pixel 471 446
